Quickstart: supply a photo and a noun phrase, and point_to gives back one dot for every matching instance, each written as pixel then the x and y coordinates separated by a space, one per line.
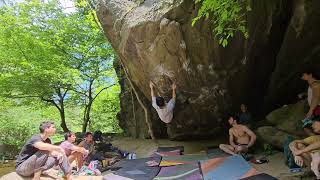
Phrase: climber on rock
pixel 164 109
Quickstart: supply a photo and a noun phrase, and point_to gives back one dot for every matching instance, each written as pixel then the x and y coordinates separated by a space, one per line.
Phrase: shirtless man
pixel 313 98
pixel 241 138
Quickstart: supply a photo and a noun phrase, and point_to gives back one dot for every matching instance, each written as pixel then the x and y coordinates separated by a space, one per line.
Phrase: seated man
pixel 97 136
pixel 72 151
pixel 241 138
pixel 38 154
pixel 88 144
pixel 308 149
pixel 164 110
pixel 244 116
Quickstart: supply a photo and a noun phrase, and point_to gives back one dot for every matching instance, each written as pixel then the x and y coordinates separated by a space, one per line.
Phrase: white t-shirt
pixel 166 113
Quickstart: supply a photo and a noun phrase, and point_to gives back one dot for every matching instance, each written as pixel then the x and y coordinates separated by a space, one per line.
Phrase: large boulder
pixel 288 118
pixel 283 122
pixel 299 49
pixel 272 135
pixel 155 41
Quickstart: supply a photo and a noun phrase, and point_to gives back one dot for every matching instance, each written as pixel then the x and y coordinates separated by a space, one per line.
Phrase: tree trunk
pixel 60 109
pixel 86 119
pixel 63 121
pixel 62 113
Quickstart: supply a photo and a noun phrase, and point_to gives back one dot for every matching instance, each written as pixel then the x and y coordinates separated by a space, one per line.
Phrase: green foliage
pixel 17 124
pixel 20 122
pixel 46 53
pixel 104 111
pixel 13 132
pixel 30 57
pixel 268 149
pixel 226 16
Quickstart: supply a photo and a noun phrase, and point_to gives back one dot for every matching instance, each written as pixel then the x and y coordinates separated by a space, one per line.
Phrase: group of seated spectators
pixel 306 152
pixel 38 154
pixel 84 151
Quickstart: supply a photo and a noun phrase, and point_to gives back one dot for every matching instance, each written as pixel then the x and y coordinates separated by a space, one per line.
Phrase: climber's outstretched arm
pixel 151 88
pixel 174 95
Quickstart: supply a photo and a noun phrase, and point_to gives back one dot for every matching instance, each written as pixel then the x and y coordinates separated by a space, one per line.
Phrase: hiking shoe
pixel 294 170
pixel 259 161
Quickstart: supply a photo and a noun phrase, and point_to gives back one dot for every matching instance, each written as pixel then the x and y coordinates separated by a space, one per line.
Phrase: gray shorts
pixel 42 161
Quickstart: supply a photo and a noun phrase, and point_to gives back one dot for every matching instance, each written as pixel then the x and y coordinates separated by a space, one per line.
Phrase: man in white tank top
pixel 313 94
pixel 313 99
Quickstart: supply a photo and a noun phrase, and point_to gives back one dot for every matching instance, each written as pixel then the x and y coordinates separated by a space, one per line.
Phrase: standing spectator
pixel 313 98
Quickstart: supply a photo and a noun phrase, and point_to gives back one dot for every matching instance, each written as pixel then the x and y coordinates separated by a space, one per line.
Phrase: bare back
pixel 240 134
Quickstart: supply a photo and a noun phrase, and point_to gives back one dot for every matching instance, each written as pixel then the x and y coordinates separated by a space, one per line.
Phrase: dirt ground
pixel 145 147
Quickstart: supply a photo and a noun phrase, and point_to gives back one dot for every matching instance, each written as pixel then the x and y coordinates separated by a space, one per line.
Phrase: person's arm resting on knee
pixel 78 149
pixel 294 146
pixel 48 147
pixel 252 136
pixel 309 148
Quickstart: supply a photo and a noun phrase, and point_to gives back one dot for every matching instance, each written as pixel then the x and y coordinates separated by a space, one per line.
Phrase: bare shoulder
pixel 245 128
pixel 315 86
pixel 231 130
pixel 242 126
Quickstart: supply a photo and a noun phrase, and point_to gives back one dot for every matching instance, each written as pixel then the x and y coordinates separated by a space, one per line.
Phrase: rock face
pixel 132 118
pixel 288 118
pixel 155 41
pixel 283 122
pixel 272 135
